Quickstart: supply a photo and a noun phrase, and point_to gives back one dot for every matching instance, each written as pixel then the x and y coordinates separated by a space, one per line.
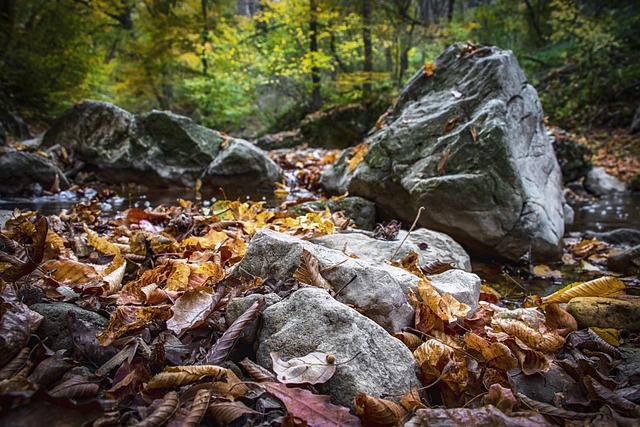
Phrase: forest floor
pixel 150 290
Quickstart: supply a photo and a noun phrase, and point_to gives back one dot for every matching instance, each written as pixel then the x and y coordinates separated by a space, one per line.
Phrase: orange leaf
pixel 176 376
pixel 602 287
pixel 379 412
pixel 357 155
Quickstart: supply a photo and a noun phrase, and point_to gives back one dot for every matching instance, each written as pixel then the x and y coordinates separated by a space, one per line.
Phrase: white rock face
pixel 311 320
pixel 599 182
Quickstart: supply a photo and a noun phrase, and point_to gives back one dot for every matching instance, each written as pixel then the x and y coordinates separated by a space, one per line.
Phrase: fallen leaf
pixel 378 412
pixel 429 69
pixel 357 155
pixel 176 376
pixel 543 270
pixel 316 410
pixel 191 309
pixel 314 368
pixel 601 287
pixel 443 161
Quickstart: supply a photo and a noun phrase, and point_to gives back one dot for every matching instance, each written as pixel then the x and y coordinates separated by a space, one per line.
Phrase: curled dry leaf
pixel 101 244
pixel 69 271
pixel 128 318
pixel 169 405
pixel 496 354
pixel 191 309
pixel 17 323
pixel 446 307
pixel 316 410
pixel 224 413
pixel 597 391
pixel 223 346
pixel 17 363
pixel 411 400
pixel 314 368
pixel 198 409
pixel 257 372
pixel 559 320
pixel 379 412
pixel 308 272
pixel 547 341
pixel 554 411
pixel 485 416
pixel 501 397
pixel 602 287
pixel 412 341
pixel 175 376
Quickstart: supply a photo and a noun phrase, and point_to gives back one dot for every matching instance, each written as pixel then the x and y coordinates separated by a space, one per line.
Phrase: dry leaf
pixel 224 413
pixel 191 309
pixel 429 69
pixel 603 287
pixel 314 368
pixel 316 410
pixel 495 354
pixel 176 376
pixel 198 409
pixel 451 123
pixel 378 412
pixel 544 341
pixel 169 405
pixel 443 161
pixel 76 387
pixel 100 243
pixel 308 272
pixel 410 340
pixel 484 416
pixel 357 155
pixel 543 270
pixel 501 397
pixel 128 318
pixel 559 320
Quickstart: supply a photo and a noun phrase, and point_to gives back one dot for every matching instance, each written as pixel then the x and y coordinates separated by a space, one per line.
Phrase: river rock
pixel 622 312
pixel 626 262
pixel 55 330
pixel 599 182
pixel 311 320
pixel 544 385
pixel 462 285
pixel 469 145
pixel 431 246
pixel 624 236
pixel 155 149
pixel 574 158
pixel 378 290
pixel 28 174
pixel 237 306
pixel 361 211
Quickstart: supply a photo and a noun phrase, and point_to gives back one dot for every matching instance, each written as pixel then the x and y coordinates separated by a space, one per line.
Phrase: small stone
pixel 622 312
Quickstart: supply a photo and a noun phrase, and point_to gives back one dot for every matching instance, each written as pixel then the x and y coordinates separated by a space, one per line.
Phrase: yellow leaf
pixel 446 307
pixel 357 155
pixel 429 69
pixel 100 243
pixel 610 335
pixel 410 340
pixel 603 287
pixel 179 277
pixel 543 270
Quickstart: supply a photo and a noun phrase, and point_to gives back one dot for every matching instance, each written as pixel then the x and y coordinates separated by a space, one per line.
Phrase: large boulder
pixel 369 359
pixel 158 148
pixel 25 173
pixel 468 144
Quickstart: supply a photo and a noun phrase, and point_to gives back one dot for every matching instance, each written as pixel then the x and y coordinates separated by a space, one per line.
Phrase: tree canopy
pixel 250 66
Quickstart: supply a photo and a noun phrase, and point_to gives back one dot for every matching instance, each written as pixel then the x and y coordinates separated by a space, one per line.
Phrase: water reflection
pixel 618 210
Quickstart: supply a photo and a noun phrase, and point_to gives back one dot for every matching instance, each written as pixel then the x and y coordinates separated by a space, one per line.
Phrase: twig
pixel 347 284
pixel 415 221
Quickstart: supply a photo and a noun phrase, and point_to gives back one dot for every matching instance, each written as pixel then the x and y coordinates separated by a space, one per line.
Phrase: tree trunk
pixel 368 51
pixel 316 96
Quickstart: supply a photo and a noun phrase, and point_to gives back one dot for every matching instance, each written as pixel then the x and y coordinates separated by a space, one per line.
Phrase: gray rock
pixel 543 386
pixel 377 289
pixel 625 236
pixel 469 144
pixel 21 173
pixel 625 262
pixel 311 320
pixel 430 246
pixel 286 139
pixel 4 217
pixel 240 158
pixel 156 149
pixel 362 211
pixel 599 182
pixel 463 286
pixel 55 329
pixel 237 307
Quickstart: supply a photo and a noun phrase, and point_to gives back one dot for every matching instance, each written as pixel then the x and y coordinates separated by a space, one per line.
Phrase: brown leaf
pixel 547 341
pixel 410 340
pixel 128 318
pixel 496 355
pixel 100 243
pixel 621 405
pixel 21 260
pixel 411 400
pixel 316 410
pixel 378 412
pixel 546 409
pixel 357 155
pixel 445 307
pixel 531 361
pixel 69 271
pixel 191 309
pixel 169 405
pixel 443 160
pixel 308 272
pixel 559 320
pixel 223 346
pixel 451 123
pixel 543 270
pixel 429 69
pixel 500 397
pixel 257 372
pixel 314 368
pixel 224 413
pixel 17 363
pixel 76 387
pixel 436 267
pixel 198 409
pixel 176 376
pixel 17 323
pixel 601 287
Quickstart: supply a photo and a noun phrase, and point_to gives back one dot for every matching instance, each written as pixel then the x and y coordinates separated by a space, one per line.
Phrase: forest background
pixel 250 67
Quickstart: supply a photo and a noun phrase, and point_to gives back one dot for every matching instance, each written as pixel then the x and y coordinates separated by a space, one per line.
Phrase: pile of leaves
pixel 169 356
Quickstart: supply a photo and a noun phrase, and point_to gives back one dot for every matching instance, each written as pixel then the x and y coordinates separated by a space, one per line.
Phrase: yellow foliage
pixel 602 287
pixel 357 155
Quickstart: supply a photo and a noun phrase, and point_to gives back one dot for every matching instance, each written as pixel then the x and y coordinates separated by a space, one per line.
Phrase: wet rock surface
pixel 27 173
pixel 468 143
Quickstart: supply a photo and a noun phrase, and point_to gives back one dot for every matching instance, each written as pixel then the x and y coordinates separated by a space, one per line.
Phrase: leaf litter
pixel 163 277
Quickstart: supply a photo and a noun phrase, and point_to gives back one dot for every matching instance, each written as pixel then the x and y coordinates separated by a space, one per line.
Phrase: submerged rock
pixel 468 143
pixel 158 148
pixel 626 262
pixel 29 174
pixel 369 359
